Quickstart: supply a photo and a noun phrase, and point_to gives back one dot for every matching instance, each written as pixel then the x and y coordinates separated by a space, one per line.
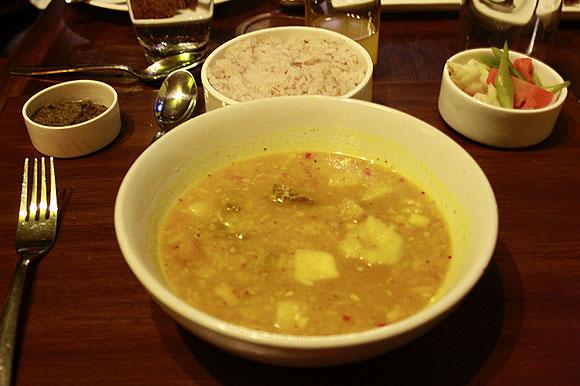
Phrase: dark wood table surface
pixel 90 322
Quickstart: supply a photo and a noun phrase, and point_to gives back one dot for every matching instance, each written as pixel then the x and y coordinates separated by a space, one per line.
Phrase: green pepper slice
pixel 557 87
pixel 494 62
pixel 503 81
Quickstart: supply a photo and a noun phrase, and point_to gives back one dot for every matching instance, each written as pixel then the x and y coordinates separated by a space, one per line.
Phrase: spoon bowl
pixel 164 67
pixel 175 101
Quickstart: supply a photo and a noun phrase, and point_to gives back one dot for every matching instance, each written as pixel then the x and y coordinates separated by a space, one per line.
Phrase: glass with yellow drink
pixel 357 19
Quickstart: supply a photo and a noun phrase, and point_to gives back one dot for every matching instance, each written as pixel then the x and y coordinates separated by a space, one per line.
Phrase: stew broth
pixel 305 244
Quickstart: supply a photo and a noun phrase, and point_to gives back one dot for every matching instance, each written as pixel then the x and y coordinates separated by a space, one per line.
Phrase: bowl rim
pixel 50 89
pixel 209 88
pixel 473 53
pixel 432 312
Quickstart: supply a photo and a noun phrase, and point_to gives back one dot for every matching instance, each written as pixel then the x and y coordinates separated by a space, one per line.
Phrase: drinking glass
pixel 527 25
pixel 357 19
pixel 170 27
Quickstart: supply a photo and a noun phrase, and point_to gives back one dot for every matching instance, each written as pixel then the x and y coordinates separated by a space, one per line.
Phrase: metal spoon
pixel 155 71
pixel 175 101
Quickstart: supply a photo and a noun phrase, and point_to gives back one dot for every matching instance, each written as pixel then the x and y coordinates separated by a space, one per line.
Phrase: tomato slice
pixel 492 75
pixel 527 95
pixel 530 96
pixel 525 66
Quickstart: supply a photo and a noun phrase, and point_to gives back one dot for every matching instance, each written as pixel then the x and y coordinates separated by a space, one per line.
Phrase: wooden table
pixel 90 322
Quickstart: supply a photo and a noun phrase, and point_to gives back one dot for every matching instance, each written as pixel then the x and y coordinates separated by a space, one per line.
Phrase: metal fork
pixel 35 235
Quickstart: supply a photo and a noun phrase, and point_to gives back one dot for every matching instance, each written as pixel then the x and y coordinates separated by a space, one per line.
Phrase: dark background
pixel 15 17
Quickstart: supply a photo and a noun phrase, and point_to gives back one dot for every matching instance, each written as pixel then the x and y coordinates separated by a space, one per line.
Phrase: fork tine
pixel 53 203
pixel 33 209
pixel 43 198
pixel 24 195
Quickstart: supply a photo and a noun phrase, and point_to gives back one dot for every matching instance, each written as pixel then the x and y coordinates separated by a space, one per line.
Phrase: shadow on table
pixel 564 131
pixel 481 333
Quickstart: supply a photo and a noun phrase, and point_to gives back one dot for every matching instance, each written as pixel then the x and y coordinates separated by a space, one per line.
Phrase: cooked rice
pixel 267 66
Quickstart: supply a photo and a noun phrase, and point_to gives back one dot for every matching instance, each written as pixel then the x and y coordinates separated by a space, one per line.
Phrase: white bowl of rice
pixel 286 61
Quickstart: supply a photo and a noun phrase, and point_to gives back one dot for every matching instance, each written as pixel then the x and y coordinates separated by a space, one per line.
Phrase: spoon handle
pixel 157 135
pixel 49 70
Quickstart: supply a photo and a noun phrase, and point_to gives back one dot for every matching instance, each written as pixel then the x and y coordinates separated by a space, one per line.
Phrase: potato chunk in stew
pixel 311 266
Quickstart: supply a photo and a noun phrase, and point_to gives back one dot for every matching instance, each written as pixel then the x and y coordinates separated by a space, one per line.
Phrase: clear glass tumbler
pixel 357 19
pixel 527 25
pixel 170 27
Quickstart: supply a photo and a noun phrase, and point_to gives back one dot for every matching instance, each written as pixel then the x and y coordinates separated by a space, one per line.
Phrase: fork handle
pixel 9 322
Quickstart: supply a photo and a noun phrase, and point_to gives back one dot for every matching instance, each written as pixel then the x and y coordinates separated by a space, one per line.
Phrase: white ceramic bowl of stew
pixel 226 82
pixel 328 124
pixel 493 125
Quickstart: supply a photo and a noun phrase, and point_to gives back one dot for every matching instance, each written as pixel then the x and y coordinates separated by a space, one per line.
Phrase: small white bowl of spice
pixel 72 119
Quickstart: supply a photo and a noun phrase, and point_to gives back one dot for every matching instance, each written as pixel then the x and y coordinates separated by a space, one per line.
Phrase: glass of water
pixel 357 19
pixel 527 25
pixel 170 27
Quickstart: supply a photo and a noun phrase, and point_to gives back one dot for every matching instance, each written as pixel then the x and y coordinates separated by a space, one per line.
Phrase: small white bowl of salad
pixel 501 98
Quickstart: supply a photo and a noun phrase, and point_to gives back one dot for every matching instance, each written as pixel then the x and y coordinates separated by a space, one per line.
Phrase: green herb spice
pixel 67 113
